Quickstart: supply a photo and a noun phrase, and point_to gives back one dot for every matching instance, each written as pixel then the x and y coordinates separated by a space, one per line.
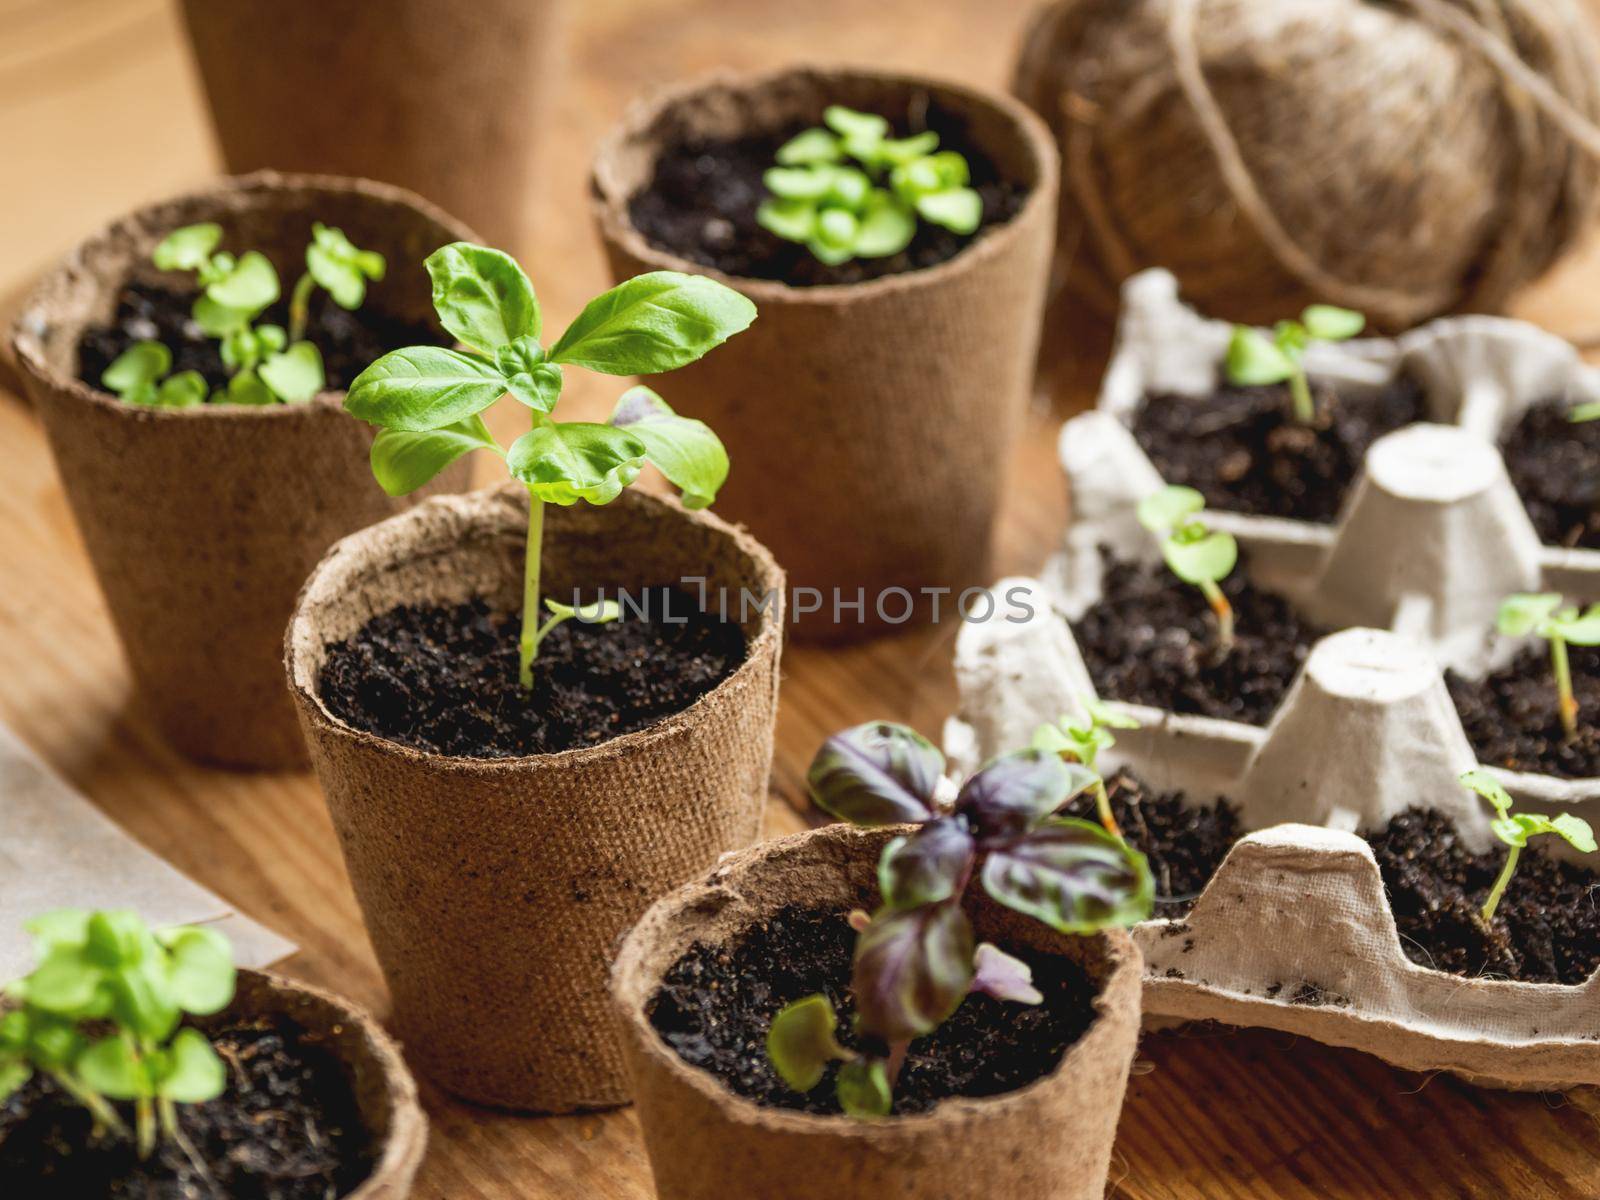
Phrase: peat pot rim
pixel 610 190
pixel 642 960
pixel 492 508
pixel 73 280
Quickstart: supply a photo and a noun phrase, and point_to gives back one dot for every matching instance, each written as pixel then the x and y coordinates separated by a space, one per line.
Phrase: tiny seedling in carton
pixel 101 1017
pixel 1255 359
pixel 849 190
pixel 428 401
pixel 1081 741
pixel 1543 615
pixel 917 958
pixel 1514 829
pixel 1196 553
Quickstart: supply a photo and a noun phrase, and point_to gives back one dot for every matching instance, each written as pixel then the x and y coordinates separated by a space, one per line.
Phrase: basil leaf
pixel 141 363
pixel 246 388
pixel 188 248
pixel 1015 792
pixel 200 962
pixel 424 387
pixel 482 296
pixel 529 378
pixel 218 320
pixel 295 375
pixel 1253 360
pixel 186 389
pixel 927 867
pixel 192 1073
pixel 801 1042
pixel 249 287
pixel 863 1089
pixel 685 450
pixel 654 322
pixel 576 460
pixel 110 1067
pixel 957 209
pixel 912 969
pixel 404 460
pixel 876 774
pixel 1000 975
pixel 1331 324
pixel 1072 875
pixel 812 146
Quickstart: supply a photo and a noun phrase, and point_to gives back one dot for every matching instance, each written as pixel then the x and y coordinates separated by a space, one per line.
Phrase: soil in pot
pixel 1151 639
pixel 1243 450
pixel 1185 844
pixel 287 1128
pixel 444 679
pixel 701 202
pixel 1555 467
pixel 716 1004
pixel 1546 928
pixel 1512 719
pixel 349 341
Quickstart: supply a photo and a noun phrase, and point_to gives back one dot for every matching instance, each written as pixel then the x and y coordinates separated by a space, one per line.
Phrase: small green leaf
pixel 863 1089
pixel 249 287
pixel 1198 555
pixel 61 925
pixel 685 450
pixel 837 229
pixel 896 151
pixel 654 322
pixel 424 387
pixel 812 146
pixel 218 320
pixel 1254 360
pixel 1579 413
pixel 849 123
pixel 576 460
pixel 958 209
pixel 192 1073
pixel 801 1042
pixel 887 226
pixel 792 220
pixel 186 389
pixel 798 183
pixel 187 249
pixel 529 378
pixel 201 969
pixel 271 337
pixel 404 460
pixel 1524 612
pixel 1575 831
pixel 110 1067
pixel 1581 630
pixel 847 188
pixel 1329 324
pixel 601 612
pixel 246 388
pixel 14 1072
pixel 482 296
pixel 141 363
pixel 66 981
pixel 1164 510
pixel 295 375
pixel 339 267
pixel 1487 786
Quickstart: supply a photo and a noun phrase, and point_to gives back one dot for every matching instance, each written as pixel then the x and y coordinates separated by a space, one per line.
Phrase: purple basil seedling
pixel 917 957
pixel 1255 359
pixel 1542 615
pixel 1514 829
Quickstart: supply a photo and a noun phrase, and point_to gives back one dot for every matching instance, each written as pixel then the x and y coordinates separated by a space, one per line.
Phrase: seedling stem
pixel 531 635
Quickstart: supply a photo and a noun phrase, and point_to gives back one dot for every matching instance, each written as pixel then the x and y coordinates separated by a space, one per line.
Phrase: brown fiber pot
pixel 495 889
pixel 203 523
pixel 1050 1140
pixel 871 423
pixel 385 1093
pixel 448 100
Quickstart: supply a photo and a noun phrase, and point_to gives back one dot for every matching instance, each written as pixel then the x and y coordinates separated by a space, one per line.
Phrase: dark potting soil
pixel 1151 639
pixel 1184 844
pixel 1512 719
pixel 1546 928
pixel 1555 467
pixel 348 341
pixel 287 1128
pixel 1243 450
pixel 444 680
pixel 701 204
pixel 716 1004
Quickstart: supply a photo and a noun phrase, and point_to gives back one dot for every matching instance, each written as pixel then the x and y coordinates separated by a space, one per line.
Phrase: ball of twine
pixel 1402 157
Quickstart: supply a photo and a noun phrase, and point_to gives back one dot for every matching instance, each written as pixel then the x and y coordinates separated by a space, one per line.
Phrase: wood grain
pixel 99 110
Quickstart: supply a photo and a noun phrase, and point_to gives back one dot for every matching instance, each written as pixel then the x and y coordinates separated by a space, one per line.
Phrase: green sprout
pixel 427 401
pixel 1196 553
pixel 917 957
pixel 139 376
pixel 867 208
pixel 1255 359
pixel 100 1016
pixel 1589 411
pixel 1514 829
pixel 1081 742
pixel 1542 615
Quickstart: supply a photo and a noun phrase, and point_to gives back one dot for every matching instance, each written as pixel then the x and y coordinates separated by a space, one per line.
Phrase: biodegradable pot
pixel 870 424
pixel 385 1093
pixel 494 889
pixel 448 100
pixel 203 523
pixel 1050 1140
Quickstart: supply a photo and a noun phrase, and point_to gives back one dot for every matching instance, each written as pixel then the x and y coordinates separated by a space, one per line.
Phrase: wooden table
pixel 99 110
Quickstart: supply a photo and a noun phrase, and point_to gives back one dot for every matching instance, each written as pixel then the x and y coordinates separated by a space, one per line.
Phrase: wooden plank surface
pixel 99 110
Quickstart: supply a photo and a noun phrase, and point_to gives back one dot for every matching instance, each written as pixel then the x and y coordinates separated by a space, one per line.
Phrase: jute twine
pixel 1405 158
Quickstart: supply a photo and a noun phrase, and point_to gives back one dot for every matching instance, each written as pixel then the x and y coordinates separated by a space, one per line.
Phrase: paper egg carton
pixel 1429 542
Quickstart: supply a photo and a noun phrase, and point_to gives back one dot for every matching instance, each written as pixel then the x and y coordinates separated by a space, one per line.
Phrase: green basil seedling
pixel 917 958
pixel 1255 359
pixel 1514 829
pixel 1081 741
pixel 1195 553
pixel 866 208
pixel 1542 615
pixel 100 1016
pixel 336 265
pixel 139 376
pixel 428 401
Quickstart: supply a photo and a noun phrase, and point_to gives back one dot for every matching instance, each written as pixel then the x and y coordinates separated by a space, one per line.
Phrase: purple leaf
pixel 1004 977
pixel 929 866
pixel 1072 875
pixel 876 774
pixel 1015 792
pixel 912 969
